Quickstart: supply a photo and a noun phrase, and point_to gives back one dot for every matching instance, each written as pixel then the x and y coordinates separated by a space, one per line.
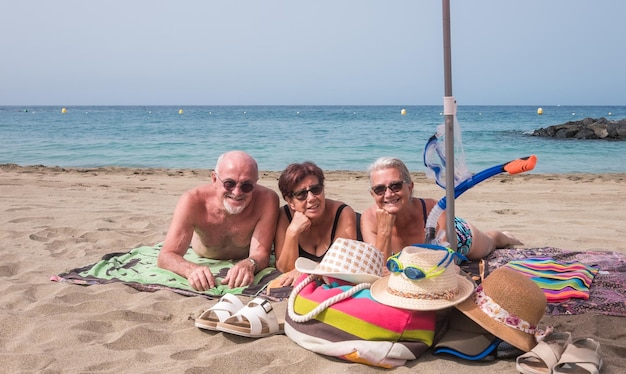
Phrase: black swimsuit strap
pixel 287 212
pixel 332 233
pixel 423 211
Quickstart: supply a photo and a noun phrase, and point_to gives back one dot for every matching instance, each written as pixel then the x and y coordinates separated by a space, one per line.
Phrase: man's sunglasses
pixel 301 195
pixel 380 189
pixel 230 185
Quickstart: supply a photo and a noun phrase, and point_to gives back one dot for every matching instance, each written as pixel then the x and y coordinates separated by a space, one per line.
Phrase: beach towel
pixel 138 269
pixel 559 280
pixel 607 294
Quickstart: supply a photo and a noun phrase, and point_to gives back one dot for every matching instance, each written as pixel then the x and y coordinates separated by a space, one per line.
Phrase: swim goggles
pixel 416 273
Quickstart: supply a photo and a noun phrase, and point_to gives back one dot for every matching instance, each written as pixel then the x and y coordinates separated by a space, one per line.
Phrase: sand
pixel 55 219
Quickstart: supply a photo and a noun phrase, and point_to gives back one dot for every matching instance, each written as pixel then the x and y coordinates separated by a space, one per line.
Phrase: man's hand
pixel 240 275
pixel 201 279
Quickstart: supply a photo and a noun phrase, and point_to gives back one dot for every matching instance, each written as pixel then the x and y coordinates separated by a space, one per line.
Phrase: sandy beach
pixel 55 219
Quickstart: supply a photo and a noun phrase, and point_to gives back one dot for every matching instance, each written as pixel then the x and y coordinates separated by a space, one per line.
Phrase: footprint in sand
pixel 41 236
pixel 8 270
pixel 137 336
pixel 186 354
pixel 30 219
pixel 99 327
pixel 48 233
pixel 506 211
pixel 18 209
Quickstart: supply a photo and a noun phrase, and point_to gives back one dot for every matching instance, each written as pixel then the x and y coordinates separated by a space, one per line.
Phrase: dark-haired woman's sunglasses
pixel 301 195
pixel 380 189
pixel 230 185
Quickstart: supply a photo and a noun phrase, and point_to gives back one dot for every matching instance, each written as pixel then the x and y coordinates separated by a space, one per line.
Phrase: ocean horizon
pixel 341 137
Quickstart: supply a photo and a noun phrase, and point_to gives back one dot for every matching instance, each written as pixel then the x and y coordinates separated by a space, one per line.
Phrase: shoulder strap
pixel 332 233
pixel 322 306
pixel 423 211
pixel 287 212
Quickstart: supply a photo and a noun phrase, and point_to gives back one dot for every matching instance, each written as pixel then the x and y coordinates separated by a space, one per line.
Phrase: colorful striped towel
pixel 559 281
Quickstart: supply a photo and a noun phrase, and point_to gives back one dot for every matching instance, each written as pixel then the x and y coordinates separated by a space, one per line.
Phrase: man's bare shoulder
pixel 264 200
pixel 198 194
pixel 265 193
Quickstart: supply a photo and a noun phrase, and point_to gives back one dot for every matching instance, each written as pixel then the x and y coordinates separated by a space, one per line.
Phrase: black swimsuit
pixel 301 251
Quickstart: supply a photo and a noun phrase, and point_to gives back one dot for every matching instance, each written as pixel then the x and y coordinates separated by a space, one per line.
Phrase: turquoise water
pixel 335 137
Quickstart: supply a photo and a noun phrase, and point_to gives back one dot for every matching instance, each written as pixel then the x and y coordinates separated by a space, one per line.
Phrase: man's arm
pixel 177 243
pixel 242 274
pixel 263 236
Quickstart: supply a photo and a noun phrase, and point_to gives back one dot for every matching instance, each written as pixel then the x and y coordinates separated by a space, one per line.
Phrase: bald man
pixel 232 218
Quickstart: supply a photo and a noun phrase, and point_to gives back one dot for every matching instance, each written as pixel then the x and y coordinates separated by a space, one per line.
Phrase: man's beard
pixel 233 209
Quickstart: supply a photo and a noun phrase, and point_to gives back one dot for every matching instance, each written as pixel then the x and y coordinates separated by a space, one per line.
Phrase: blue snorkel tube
pixel 517 166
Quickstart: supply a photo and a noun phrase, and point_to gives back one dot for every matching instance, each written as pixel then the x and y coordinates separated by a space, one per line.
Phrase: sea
pixel 335 137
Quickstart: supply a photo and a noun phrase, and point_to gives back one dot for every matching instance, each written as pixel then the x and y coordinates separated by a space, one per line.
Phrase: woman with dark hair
pixel 309 223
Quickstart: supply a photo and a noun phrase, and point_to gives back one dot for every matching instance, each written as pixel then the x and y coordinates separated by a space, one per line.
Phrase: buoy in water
pixel 403 112
pixel 180 111
pixel 63 110
pixel 540 111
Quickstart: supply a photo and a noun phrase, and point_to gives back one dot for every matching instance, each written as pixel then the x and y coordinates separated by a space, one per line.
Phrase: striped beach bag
pixel 336 318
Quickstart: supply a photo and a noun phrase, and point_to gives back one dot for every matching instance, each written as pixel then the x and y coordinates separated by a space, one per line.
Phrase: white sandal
pixel 228 305
pixel 255 320
pixel 581 356
pixel 544 355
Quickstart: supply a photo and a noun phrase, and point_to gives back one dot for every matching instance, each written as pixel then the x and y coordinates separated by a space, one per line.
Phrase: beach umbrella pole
pixel 449 111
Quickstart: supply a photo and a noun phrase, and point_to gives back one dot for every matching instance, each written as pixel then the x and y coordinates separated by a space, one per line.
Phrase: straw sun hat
pixel 349 260
pixel 443 286
pixel 509 305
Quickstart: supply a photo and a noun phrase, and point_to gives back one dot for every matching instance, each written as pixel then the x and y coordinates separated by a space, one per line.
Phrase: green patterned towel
pixel 138 269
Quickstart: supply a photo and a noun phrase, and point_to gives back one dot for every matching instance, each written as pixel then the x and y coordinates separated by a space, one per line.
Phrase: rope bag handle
pixel 321 307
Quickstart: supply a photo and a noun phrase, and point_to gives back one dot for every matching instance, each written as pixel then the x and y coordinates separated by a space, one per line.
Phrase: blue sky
pixel 324 52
